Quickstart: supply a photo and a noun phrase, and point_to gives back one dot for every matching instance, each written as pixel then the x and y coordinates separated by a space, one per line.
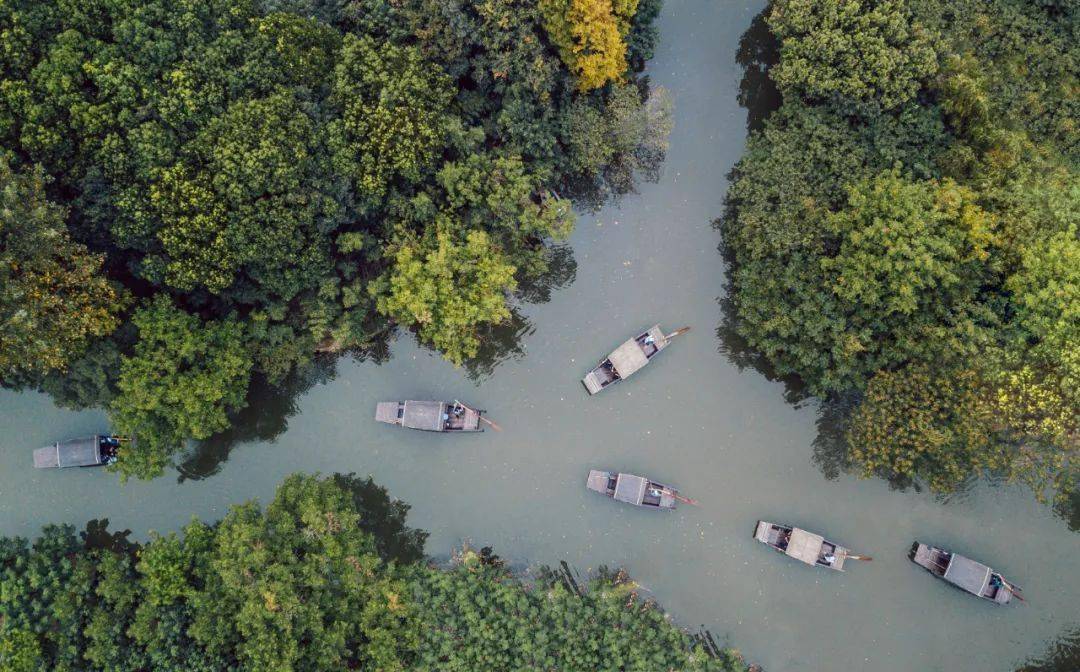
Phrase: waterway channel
pixel 724 433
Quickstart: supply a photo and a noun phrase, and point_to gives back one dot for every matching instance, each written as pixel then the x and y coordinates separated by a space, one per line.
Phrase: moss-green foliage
pixel 182 380
pixel 921 253
pixel 863 52
pixel 278 164
pixel 480 617
pixel 53 295
pixel 303 585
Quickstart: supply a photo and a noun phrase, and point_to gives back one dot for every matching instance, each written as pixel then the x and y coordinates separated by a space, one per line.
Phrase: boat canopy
pixel 427 415
pixel 804 546
pixel 83 452
pixel 630 489
pixel 628 358
pixel 967 574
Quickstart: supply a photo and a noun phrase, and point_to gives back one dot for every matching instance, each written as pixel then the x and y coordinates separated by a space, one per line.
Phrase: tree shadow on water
pixel 384 518
pixel 758 52
pixel 561 273
pixel 265 417
pixel 96 536
pixel 502 342
pixel 498 344
pixel 1068 508
pixel 1063 656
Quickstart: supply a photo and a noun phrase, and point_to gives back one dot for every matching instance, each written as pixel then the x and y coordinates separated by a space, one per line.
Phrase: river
pixel 727 436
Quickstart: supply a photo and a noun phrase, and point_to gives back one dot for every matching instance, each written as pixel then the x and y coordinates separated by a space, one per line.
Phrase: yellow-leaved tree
pixel 589 35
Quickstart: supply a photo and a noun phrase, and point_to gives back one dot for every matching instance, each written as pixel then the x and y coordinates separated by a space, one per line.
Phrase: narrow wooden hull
pixel 968 575
pixel 633 490
pixel 81 452
pixel 627 359
pixel 430 416
pixel 806 547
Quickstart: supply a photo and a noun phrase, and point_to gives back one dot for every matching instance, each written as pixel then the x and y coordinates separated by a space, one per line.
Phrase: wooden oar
pixel 867 558
pixel 677 332
pixel 684 500
pixel 494 426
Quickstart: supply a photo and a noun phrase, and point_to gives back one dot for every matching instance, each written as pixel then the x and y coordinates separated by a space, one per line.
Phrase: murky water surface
pixel 726 436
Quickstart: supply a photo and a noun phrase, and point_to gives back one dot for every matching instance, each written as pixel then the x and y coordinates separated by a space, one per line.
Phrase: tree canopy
pixel 901 230
pixel 305 584
pixel 54 297
pixel 300 177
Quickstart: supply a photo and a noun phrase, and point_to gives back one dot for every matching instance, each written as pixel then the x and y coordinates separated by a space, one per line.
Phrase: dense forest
pixel 905 230
pixel 197 195
pixel 327 577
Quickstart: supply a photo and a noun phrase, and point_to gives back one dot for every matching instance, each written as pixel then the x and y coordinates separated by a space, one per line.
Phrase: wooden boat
pixel 88 451
pixel 813 549
pixel 632 489
pixel 964 573
pixel 628 358
pixel 430 416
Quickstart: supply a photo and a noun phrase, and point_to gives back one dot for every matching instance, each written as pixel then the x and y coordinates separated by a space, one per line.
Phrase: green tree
pixel 393 120
pixel 20 652
pixel 54 294
pixel 182 380
pixel 300 587
pixel 448 288
pixel 927 423
pixel 253 198
pixel 859 51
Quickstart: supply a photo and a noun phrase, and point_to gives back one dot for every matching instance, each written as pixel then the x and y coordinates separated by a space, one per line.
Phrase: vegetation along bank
pixel 199 194
pixel 904 231
pixel 326 577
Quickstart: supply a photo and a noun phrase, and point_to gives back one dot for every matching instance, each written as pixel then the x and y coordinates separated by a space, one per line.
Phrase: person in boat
pixel 109 446
pixel 649 340
pixel 829 559
pixel 655 492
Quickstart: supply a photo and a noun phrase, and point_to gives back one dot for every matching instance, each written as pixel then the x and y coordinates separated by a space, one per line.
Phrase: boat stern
pixel 593 382
pixel 389 412
pixel 598 481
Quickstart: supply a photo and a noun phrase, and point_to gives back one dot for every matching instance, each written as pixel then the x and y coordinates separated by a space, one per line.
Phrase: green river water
pixel 698 418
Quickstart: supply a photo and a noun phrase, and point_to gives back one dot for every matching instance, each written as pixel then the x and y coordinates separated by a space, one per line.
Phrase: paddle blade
pixel 677 332
pixel 494 426
pixel 864 558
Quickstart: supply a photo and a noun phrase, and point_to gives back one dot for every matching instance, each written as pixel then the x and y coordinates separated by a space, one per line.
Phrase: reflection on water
pixel 265 417
pixel 97 536
pixel 384 518
pixel 562 270
pixel 830 444
pixel 497 345
pixel 1069 509
pixel 758 51
pixel 1063 656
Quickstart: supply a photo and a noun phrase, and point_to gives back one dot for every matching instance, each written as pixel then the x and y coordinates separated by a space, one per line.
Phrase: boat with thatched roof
pixel 430 416
pixel 633 489
pixel 812 549
pixel 629 358
pixel 87 451
pixel 964 573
